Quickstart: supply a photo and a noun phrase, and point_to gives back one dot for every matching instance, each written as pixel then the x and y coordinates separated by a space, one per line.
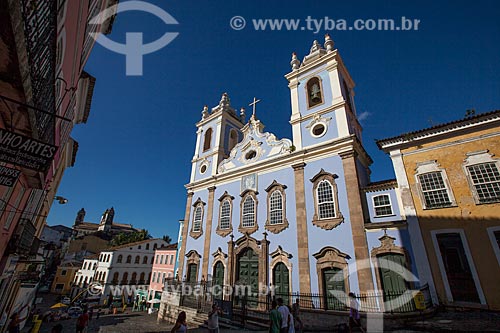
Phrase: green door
pixel 333 280
pixel 248 274
pixel 218 279
pixel 281 282
pixel 191 275
pixel 392 272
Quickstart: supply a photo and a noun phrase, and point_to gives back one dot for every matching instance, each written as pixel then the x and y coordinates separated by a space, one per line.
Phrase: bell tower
pixel 107 220
pixel 80 216
pixel 218 132
pixel 322 97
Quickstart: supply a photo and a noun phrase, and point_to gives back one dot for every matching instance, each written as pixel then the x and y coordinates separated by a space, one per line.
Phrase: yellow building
pixel 64 277
pixel 450 180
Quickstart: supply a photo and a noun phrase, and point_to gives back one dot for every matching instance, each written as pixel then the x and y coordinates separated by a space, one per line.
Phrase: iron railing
pixel 40 30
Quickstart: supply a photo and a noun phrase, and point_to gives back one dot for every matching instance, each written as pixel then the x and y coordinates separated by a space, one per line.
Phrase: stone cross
pixel 255 101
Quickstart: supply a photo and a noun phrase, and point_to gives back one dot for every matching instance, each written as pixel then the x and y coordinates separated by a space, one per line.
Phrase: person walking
pixel 354 317
pixel 274 318
pixel 16 320
pixel 180 324
pixel 82 322
pixel 296 315
pixel 213 319
pixel 285 315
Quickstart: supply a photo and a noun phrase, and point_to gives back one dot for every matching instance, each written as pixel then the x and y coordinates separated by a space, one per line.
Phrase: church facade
pixel 106 226
pixel 300 215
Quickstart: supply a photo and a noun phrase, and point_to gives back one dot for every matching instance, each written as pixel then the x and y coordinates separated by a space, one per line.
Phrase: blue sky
pixel 136 148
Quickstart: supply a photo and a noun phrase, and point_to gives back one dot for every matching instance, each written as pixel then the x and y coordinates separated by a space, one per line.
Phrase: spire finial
pixel 242 115
pixel 295 63
pixel 204 113
pixel 328 43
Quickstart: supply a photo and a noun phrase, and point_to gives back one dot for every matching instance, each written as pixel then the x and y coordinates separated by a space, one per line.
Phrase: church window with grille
pixel 326 205
pixel 276 208
pixel 198 217
pixel 225 214
pixel 434 191
pixel 248 213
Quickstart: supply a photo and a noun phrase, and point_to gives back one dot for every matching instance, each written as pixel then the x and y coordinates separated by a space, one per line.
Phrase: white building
pixel 85 275
pixel 126 265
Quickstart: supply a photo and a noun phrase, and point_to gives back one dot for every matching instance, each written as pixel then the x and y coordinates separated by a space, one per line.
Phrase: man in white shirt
pixel 285 314
pixel 213 319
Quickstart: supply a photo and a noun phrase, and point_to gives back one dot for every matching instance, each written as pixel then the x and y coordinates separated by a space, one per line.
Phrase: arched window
pixel 208 139
pixel 276 208
pixel 133 280
pixel 233 139
pixel 115 278
pixel 85 265
pixel 198 216
pixel 137 259
pixel 152 260
pixel 314 92
pixel 248 212
pixel 155 246
pixel 147 246
pixel 95 266
pixel 145 260
pixel 141 278
pixel 161 259
pixel 326 206
pixel 225 215
pixel 129 259
pixel 119 260
pixel 154 277
pixel 125 278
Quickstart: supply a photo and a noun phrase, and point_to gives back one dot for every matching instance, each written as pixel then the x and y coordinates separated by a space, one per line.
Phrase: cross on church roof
pixel 255 101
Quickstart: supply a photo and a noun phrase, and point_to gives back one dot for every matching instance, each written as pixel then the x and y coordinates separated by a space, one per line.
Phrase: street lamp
pixel 61 200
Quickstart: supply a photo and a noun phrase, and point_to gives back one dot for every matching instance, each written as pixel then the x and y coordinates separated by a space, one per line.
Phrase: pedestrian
pixel 16 320
pixel 296 315
pixel 274 318
pixel 291 324
pixel 354 318
pixel 213 319
pixel 82 322
pixel 180 324
pixel 285 315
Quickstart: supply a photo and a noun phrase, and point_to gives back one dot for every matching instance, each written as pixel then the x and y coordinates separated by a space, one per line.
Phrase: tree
pixel 130 237
pixel 167 239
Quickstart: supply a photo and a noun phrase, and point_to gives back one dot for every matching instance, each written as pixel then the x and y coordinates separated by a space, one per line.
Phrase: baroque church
pixel 107 225
pixel 300 214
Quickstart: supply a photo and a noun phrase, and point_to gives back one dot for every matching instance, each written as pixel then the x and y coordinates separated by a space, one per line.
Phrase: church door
pixel 191 274
pixel 457 268
pixel 392 277
pixel 333 280
pixel 248 275
pixel 218 279
pixel 281 282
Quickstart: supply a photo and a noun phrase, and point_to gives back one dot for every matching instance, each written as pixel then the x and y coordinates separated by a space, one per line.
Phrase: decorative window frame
pixel 204 163
pixel 244 195
pixel 224 232
pixel 390 205
pixel 197 234
pixel 429 167
pixel 318 119
pixel 470 261
pixel 387 246
pixel 328 223
pixel 279 227
pixel 491 234
pixel 330 257
pixel 193 257
pixel 306 89
pixel 220 256
pixel 232 143
pixel 476 158
pixel 280 256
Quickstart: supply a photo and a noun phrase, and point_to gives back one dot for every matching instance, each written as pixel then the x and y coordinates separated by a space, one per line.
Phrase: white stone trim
pixel 390 204
pixel 493 241
pixel 428 167
pixel 470 261
pixel 475 158
pixel 408 209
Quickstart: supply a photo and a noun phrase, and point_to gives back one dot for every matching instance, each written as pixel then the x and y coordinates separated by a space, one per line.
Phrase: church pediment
pixel 256 146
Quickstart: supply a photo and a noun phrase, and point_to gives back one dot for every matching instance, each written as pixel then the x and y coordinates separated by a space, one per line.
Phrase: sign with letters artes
pixel 8 176
pixel 24 151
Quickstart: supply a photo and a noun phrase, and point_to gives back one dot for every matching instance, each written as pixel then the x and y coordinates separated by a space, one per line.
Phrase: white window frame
pixel 493 240
pixel 221 227
pixel 432 167
pixel 197 222
pixel 243 214
pixel 470 261
pixel 271 210
pixel 374 206
pixel 318 203
pixel 477 158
